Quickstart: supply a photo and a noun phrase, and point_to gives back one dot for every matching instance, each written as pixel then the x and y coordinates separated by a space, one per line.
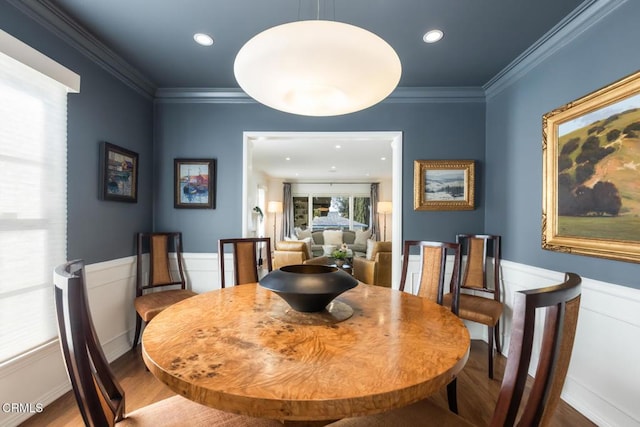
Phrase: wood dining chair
pixel 431 282
pixel 479 290
pixel 247 253
pixel 561 304
pixel 163 288
pixel 98 394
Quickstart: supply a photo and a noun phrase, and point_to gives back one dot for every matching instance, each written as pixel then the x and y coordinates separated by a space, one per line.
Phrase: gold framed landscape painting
pixel 591 174
pixel 443 185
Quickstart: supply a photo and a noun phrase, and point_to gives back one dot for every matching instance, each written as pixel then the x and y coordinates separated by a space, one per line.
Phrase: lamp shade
pixel 274 207
pixel 385 207
pixel 317 68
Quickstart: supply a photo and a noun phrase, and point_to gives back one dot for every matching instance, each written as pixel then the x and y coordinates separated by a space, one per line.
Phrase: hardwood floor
pixel 477 394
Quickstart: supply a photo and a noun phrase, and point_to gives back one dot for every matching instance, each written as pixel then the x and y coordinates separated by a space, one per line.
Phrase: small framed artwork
pixel 443 185
pixel 591 174
pixel 194 182
pixel 119 174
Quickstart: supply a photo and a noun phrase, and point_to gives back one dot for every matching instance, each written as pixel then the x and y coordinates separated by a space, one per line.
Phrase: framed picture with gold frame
pixel 591 174
pixel 443 185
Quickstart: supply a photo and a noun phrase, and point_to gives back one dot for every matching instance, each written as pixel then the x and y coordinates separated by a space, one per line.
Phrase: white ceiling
pixel 317 158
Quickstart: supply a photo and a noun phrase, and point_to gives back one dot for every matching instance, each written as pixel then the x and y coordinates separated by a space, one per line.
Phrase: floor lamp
pixel 384 208
pixel 275 208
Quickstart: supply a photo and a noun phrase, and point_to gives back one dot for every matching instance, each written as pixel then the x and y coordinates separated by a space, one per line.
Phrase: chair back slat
pixel 563 354
pixel 98 395
pixel 476 248
pixel 159 254
pixel 561 303
pixel 475 271
pixel 245 263
pixel 432 274
pixel 159 245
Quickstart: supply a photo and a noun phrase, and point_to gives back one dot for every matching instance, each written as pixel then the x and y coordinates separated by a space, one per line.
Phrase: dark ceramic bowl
pixel 307 287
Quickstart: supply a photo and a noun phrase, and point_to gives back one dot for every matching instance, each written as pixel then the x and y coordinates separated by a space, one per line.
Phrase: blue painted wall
pixel 104 110
pixel 506 143
pixel 601 55
pixel 431 131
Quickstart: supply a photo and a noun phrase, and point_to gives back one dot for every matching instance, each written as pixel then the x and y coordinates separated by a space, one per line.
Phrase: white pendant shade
pixel 317 68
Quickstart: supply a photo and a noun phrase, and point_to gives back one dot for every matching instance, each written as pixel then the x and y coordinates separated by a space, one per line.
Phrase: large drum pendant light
pixel 317 68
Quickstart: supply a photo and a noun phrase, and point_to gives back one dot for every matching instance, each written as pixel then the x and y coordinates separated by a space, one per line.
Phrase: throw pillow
pixel 370 244
pixel 332 237
pixel 308 242
pixel 362 237
pixel 348 237
pixel 317 238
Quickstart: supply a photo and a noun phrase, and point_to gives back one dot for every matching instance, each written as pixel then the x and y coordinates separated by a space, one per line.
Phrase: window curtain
pixel 374 211
pixel 33 206
pixel 287 211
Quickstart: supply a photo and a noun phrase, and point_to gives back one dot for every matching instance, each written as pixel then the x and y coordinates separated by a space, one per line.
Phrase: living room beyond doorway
pixel 291 157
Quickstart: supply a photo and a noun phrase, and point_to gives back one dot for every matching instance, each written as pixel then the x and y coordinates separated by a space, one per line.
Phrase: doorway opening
pixel 267 155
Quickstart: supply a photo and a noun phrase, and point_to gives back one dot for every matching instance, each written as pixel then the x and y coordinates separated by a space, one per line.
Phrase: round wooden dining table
pixel 242 349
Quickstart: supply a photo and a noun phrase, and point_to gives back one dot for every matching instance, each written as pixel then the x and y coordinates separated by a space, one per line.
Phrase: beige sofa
pixel 356 241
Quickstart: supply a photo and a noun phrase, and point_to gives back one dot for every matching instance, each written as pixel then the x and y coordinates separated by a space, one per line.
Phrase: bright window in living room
pixel 345 212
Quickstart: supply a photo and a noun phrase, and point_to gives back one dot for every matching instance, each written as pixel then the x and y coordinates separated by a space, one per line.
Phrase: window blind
pixel 33 204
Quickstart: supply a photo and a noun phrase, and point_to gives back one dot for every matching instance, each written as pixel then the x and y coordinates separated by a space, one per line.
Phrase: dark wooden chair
pixel 98 394
pixel 562 303
pixel 149 304
pixel 431 283
pixel 246 256
pixel 479 296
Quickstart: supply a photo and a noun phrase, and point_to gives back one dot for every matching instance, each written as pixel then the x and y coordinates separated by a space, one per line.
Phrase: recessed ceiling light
pixel 203 39
pixel 432 36
pixel 383 158
pixel 287 158
pixel 338 146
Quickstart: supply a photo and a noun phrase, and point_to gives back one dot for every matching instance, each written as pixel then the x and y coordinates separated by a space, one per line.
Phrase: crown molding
pixel 400 95
pixel 424 95
pixel 573 25
pixel 202 95
pixel 55 20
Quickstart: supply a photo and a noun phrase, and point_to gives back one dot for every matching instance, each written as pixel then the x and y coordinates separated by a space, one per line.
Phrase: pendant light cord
pixel 317 10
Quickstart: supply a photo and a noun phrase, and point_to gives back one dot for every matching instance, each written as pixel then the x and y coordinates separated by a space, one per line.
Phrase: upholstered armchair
pixel 375 268
pixel 290 252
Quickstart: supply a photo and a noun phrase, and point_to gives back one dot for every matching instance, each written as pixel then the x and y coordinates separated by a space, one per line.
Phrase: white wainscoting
pixel 603 381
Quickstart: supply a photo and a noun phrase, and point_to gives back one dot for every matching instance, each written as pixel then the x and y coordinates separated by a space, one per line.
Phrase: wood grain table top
pixel 242 349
